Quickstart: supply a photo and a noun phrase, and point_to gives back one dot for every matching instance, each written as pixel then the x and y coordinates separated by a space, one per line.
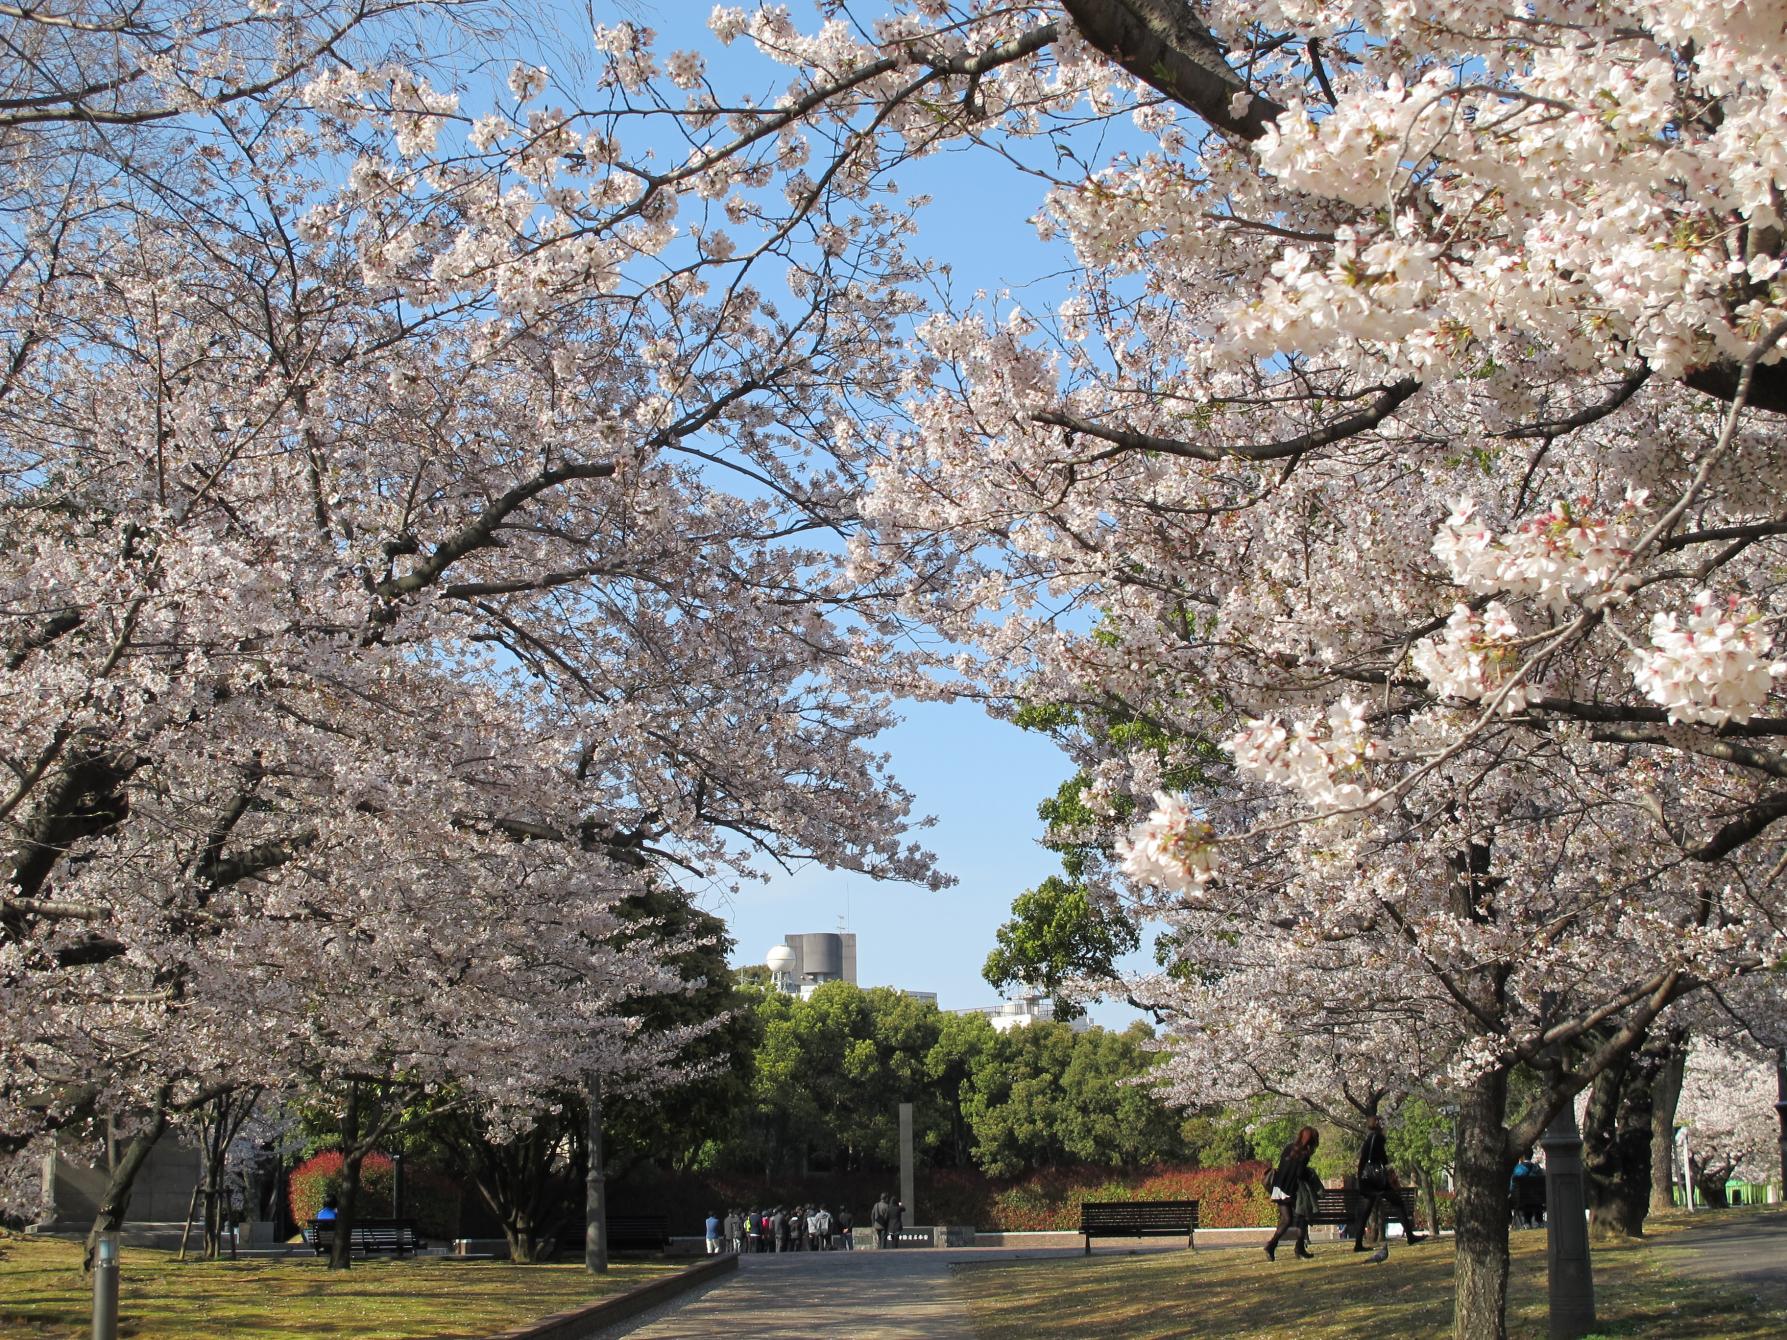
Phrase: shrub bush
pixel 430 1197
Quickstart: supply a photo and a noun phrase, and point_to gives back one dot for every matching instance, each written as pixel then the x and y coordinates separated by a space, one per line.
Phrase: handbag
pixel 1374 1177
pixel 1305 1208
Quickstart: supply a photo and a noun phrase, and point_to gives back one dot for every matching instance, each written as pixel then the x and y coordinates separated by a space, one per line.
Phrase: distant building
pixel 801 964
pixel 1029 1008
pixel 823 956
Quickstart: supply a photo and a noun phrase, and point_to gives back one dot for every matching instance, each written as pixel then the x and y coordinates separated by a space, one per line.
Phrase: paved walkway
pixel 800 1295
pixel 1749 1252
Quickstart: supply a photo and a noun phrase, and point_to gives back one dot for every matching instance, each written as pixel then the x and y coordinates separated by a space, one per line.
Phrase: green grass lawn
pixel 1239 1295
pixel 42 1296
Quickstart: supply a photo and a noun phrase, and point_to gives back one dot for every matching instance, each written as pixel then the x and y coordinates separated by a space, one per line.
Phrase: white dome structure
pixel 779 960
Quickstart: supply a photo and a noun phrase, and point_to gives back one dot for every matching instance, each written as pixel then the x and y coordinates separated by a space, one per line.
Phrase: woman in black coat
pixel 1377 1183
pixel 1293 1190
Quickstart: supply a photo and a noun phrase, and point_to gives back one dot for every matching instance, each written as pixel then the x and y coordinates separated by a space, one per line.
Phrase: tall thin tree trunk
pixel 192 1208
pixel 595 1186
pixel 115 1203
pixel 1666 1092
pixel 1483 1165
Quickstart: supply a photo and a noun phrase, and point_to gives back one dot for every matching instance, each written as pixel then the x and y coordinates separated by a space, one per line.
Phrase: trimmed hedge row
pixel 1231 1197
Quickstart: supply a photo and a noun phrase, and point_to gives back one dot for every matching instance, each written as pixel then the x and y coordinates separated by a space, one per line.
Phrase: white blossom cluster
pixel 1710 667
pixel 1172 849
pixel 1552 557
pixel 1477 654
pixel 1321 760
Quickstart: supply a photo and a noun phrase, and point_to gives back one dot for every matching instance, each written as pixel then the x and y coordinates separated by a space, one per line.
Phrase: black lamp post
pixel 1570 1277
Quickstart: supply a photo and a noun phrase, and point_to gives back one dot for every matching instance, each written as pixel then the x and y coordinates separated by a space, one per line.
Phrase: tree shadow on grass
pixel 1241 1296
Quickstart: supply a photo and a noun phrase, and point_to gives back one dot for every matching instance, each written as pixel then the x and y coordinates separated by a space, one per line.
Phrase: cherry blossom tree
pixel 1408 427
pixel 416 544
pixel 1728 1106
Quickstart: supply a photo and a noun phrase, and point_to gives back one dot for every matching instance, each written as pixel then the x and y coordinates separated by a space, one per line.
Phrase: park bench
pixel 1337 1206
pixel 1138 1219
pixel 370 1236
pixel 639 1232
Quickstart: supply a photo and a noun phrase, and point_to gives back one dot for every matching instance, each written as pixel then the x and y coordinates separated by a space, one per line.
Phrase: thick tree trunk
pixel 1666 1092
pixel 526 1246
pixel 1616 1142
pixel 115 1203
pixel 1484 1163
pixel 341 1250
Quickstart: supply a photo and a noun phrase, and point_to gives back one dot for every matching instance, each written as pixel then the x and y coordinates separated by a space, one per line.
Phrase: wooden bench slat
pixel 1339 1206
pixel 374 1235
pixel 1138 1219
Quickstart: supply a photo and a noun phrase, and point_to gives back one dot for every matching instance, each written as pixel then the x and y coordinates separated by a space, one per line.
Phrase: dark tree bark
pixel 1619 1142
pixel 1666 1092
pixel 1616 1151
pixel 115 1203
pixel 1484 1162
pixel 353 1154
pixel 527 1181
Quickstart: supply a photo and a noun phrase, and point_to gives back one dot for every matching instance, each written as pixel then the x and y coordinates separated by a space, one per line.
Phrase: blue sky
pixel 982 779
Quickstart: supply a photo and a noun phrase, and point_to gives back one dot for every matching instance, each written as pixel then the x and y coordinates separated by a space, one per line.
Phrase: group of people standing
pixel 1294 1186
pixel 801 1229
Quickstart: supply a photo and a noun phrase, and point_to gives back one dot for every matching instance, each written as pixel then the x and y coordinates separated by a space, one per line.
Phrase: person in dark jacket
pixel 878 1217
pixel 1293 1189
pixel 846 1225
pixel 896 1219
pixel 779 1223
pixel 1377 1185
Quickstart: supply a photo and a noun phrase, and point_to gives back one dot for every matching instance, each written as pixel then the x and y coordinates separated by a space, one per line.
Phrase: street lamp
pixel 1570 1277
pixel 1572 1280
pixel 1781 1111
pixel 1686 1159
pixel 105 1287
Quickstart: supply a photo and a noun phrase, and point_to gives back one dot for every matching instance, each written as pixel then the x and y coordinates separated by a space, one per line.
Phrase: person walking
pixel 1377 1186
pixel 712 1228
pixel 1293 1189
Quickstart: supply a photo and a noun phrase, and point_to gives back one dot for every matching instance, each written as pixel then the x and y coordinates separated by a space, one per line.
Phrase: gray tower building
pixel 823 956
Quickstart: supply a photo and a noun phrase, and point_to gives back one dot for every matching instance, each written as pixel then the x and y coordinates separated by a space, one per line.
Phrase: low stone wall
pixel 587 1320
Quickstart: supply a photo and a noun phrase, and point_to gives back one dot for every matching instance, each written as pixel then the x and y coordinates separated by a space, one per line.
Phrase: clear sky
pixel 982 779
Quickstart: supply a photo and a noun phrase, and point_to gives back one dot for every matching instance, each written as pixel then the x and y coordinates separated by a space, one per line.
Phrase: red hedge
pixel 430 1197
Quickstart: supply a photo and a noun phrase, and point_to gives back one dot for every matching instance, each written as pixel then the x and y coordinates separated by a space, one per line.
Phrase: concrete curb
pixel 594 1317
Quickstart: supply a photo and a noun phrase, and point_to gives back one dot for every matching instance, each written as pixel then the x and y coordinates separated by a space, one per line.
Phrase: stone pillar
pixel 1572 1282
pixel 906 1193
